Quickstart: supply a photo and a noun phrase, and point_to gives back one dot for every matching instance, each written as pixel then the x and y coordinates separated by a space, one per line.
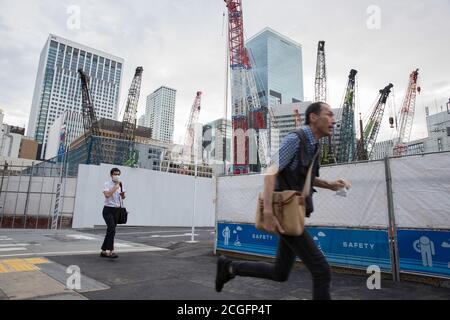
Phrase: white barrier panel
pixel 364 206
pixel 153 198
pixel 421 186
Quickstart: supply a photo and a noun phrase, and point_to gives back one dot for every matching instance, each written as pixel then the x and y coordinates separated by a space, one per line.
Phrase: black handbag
pixel 123 213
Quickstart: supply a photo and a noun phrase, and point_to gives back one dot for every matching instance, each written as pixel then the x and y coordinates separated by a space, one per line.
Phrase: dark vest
pixel 288 179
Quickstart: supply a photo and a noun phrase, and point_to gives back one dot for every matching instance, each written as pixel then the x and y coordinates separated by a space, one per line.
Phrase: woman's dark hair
pixel 315 108
pixel 115 170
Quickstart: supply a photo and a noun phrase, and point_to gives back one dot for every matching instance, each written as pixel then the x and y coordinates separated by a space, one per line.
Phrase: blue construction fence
pixel 425 252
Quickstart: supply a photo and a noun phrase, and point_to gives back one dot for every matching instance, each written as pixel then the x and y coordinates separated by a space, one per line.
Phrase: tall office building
pixel 277 62
pixel 57 87
pixel 160 113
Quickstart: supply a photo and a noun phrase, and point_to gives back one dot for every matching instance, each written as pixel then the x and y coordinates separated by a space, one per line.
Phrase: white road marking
pixel 122 245
pixel 160 231
pixel 81 237
pixel 14 245
pixel 72 253
pixel 170 235
pixel 13 249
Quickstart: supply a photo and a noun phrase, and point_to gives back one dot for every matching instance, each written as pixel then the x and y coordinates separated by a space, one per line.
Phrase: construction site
pixel 394 217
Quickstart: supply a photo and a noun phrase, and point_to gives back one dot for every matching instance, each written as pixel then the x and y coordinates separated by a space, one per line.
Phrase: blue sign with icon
pixel 342 247
pixel 424 251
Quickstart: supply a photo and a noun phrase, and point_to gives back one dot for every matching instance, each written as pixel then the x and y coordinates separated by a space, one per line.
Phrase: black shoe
pixel 113 255
pixel 103 255
pixel 223 273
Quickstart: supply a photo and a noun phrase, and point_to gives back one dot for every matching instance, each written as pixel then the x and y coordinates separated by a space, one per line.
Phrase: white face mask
pixel 116 178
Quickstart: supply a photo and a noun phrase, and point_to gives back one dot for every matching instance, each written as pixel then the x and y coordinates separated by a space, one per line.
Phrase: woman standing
pixel 113 194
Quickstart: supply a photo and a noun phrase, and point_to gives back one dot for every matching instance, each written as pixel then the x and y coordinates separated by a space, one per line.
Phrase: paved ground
pixel 156 263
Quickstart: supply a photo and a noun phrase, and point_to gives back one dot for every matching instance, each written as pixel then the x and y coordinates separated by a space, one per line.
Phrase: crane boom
pixel 297 119
pixel 129 118
pixel 346 148
pixel 190 129
pixel 406 115
pixel 321 74
pixel 372 127
pixel 321 95
pixel 131 108
pixel 90 123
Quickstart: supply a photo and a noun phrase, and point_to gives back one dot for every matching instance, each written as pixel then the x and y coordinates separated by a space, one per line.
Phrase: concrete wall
pixel 153 198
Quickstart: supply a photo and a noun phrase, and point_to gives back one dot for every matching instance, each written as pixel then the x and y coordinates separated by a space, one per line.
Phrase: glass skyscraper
pixel 277 63
pixel 58 89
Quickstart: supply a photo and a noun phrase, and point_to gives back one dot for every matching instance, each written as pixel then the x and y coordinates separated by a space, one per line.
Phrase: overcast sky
pixel 182 44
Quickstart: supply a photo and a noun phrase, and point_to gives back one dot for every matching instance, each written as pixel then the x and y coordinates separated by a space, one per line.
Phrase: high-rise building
pixel 14 144
pixel 160 113
pixel 285 122
pixel 57 87
pixel 277 62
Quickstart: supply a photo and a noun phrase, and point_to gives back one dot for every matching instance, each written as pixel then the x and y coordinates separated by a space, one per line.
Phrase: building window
pixel 439 141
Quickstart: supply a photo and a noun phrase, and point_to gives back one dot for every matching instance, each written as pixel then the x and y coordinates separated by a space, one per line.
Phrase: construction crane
pixel 297 119
pixel 246 107
pixel 372 127
pixel 129 119
pixel 406 115
pixel 346 150
pixel 187 151
pixel 90 123
pixel 321 74
pixel 321 95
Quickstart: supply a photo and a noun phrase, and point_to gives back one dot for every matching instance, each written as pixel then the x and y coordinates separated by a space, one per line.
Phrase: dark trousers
pixel 110 216
pixel 288 248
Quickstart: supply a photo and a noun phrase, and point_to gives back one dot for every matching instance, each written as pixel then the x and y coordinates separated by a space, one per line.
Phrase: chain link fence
pixel 29 195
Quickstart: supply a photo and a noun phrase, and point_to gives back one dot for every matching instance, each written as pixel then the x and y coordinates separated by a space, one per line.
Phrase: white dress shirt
pixel 113 201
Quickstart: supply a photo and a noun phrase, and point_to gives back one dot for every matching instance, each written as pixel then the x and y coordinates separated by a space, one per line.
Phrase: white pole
pixel 195 193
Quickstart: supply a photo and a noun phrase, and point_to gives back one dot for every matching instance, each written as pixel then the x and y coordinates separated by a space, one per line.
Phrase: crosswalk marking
pixel 21 265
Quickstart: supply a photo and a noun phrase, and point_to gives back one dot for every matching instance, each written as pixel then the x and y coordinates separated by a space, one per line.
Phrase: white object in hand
pixel 342 192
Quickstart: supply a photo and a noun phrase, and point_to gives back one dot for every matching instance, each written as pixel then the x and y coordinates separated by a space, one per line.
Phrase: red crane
pixel 406 115
pixel 246 107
